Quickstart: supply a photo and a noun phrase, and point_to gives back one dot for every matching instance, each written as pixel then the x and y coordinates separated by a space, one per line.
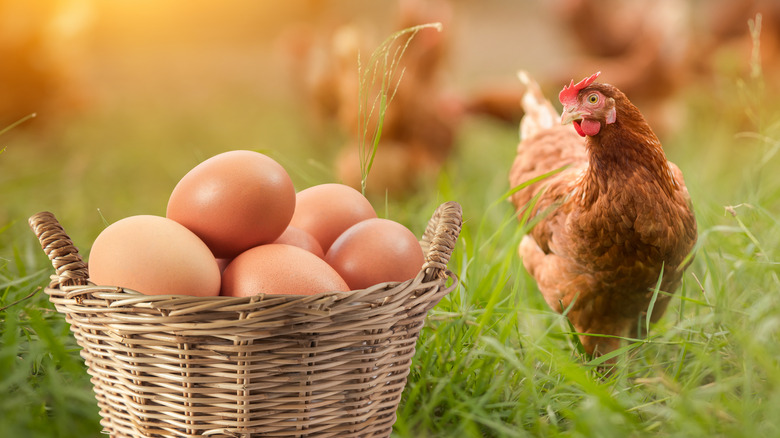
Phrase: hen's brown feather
pixel 616 218
pixel 545 146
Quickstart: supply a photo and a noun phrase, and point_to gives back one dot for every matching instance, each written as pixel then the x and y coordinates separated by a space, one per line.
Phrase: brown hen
pixel 610 224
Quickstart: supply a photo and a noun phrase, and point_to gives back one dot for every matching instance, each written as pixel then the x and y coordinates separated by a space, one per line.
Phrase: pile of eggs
pixel 235 226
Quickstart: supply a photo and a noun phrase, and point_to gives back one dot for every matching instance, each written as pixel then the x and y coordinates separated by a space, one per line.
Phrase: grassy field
pixel 493 360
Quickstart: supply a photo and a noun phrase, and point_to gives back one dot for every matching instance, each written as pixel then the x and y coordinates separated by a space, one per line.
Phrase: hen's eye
pixel 593 98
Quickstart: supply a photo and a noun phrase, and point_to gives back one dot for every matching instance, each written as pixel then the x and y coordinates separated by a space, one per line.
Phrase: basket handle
pixel 440 237
pixel 64 256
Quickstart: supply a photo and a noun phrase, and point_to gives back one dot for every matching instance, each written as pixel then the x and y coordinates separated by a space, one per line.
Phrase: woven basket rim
pixel 129 296
pixel 437 242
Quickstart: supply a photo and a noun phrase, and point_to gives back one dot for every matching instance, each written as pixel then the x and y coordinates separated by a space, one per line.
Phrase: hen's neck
pixel 623 150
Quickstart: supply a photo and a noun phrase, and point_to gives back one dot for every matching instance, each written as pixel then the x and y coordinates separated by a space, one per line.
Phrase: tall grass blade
pixel 16 123
pixel 382 66
pixel 651 306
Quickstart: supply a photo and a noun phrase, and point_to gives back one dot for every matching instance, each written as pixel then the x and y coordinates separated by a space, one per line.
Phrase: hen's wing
pixel 602 284
pixel 545 145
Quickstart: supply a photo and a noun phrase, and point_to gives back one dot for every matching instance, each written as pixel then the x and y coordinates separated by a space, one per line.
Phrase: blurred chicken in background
pixel 307 48
pixel 419 126
pixel 422 120
pixel 656 48
pixel 41 51
pixel 644 45
pixel 725 38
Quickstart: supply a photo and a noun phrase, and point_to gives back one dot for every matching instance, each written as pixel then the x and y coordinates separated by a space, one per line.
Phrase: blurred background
pixel 133 94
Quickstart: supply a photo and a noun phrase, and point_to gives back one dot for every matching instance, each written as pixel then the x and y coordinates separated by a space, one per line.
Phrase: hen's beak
pixel 569 115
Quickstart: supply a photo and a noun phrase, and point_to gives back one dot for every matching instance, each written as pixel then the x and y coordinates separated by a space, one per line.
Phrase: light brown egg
pixel 375 251
pixel 297 237
pixel 327 210
pixel 234 201
pixel 279 269
pixel 155 256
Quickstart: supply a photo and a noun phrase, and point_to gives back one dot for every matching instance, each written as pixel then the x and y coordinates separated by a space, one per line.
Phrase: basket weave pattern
pixel 332 364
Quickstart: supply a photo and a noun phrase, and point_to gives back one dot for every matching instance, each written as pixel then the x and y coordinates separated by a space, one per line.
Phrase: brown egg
pixel 375 251
pixel 153 255
pixel 297 237
pixel 327 210
pixel 234 201
pixel 279 269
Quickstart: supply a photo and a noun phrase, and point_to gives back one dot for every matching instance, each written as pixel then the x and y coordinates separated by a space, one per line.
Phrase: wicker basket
pixel 331 365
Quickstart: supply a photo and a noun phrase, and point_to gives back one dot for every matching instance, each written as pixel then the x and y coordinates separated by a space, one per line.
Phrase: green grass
pixel 493 360
pixel 43 376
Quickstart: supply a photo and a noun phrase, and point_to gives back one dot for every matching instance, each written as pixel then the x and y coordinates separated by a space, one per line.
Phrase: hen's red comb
pixel 569 94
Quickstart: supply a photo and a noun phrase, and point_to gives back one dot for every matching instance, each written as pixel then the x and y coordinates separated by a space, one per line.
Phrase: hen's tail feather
pixel 539 112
